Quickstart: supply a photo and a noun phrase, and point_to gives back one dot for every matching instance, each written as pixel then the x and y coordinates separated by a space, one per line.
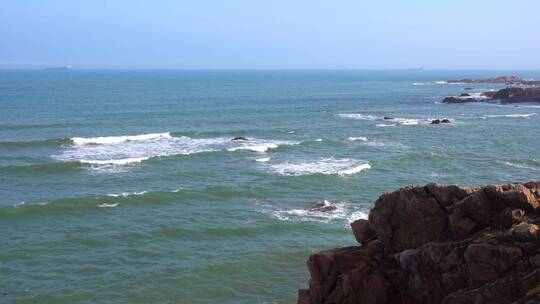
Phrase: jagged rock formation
pixel 506 95
pixel 437 244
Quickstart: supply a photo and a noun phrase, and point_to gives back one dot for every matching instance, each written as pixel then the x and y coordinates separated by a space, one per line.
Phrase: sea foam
pixel 126 194
pixel 389 122
pixel 343 212
pixel 106 205
pixel 359 138
pixel 359 116
pixel 511 115
pixel 327 166
pixel 112 152
pixel 118 139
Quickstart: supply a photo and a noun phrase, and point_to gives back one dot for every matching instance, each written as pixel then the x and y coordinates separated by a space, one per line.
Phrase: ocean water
pixel 125 186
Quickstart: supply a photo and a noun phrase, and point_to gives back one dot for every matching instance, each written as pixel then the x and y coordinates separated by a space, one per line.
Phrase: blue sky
pixel 271 34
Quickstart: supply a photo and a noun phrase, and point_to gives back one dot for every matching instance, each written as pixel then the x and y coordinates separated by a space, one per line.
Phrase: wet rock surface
pixel 437 244
pixel 239 138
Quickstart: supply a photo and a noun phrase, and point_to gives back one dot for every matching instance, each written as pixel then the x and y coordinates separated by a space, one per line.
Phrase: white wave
pixel 473 95
pixel 421 83
pixel 123 161
pixel 261 146
pixel 105 205
pixel 394 121
pixel 441 82
pixel 407 122
pixel 126 194
pixel 254 148
pixel 118 139
pixel 291 132
pixel 326 166
pixel 359 116
pixel 354 170
pixel 526 106
pixel 359 138
pixel 519 165
pixel 511 115
pixel 114 154
pixel 32 204
pixel 343 212
pixel 380 144
pixel 262 159
pixel 318 139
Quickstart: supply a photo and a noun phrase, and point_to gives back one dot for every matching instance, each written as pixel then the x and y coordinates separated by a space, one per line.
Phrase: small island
pixel 518 90
pixel 508 80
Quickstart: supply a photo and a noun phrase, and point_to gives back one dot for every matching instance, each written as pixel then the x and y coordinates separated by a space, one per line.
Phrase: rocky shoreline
pixel 437 244
pixel 518 90
pixel 508 80
pixel 506 96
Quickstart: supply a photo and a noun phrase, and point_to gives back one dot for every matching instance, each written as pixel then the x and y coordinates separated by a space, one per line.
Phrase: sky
pixel 278 34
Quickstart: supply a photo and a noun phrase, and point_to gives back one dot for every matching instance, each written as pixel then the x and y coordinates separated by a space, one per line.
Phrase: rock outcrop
pixel 239 138
pixel 510 80
pixel 437 244
pixel 506 96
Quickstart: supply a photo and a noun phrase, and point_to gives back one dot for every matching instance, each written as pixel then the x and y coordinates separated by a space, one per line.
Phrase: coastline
pixel 437 244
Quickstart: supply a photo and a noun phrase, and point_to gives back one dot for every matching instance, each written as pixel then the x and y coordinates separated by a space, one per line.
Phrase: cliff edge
pixel 437 244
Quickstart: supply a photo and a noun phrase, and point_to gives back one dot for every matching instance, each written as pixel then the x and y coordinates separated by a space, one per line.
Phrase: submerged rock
pixel 388 118
pixel 437 244
pixel 440 121
pixel 323 207
pixel 239 138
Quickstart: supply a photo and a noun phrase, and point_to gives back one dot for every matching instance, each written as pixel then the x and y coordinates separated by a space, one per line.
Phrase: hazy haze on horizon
pixel 281 34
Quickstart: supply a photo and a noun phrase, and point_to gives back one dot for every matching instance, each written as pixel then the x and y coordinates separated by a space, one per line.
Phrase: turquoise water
pixel 124 186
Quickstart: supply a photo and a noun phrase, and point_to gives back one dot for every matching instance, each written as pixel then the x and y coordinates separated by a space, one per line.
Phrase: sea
pixel 125 186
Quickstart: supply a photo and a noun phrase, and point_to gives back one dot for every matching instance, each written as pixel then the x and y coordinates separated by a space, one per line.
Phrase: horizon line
pixel 111 68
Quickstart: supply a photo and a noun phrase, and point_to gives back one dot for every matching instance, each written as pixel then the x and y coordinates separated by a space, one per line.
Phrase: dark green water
pixel 124 186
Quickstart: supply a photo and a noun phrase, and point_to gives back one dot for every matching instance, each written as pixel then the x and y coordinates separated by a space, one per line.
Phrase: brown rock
pixel 362 231
pixel 461 226
pixel 437 244
pixel 407 218
pixel 525 232
pixel 487 262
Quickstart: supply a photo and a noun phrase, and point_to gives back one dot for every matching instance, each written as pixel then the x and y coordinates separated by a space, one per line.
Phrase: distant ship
pixel 59 68
pixel 416 69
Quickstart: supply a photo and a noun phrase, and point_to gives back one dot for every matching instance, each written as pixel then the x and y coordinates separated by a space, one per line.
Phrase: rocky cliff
pixel 437 244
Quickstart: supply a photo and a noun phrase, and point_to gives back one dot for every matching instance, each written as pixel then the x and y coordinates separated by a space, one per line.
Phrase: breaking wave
pixel 511 115
pixel 114 151
pixel 390 121
pixel 359 116
pixel 336 212
pixel 359 138
pixel 327 166
pixel 118 139
pixel 531 165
